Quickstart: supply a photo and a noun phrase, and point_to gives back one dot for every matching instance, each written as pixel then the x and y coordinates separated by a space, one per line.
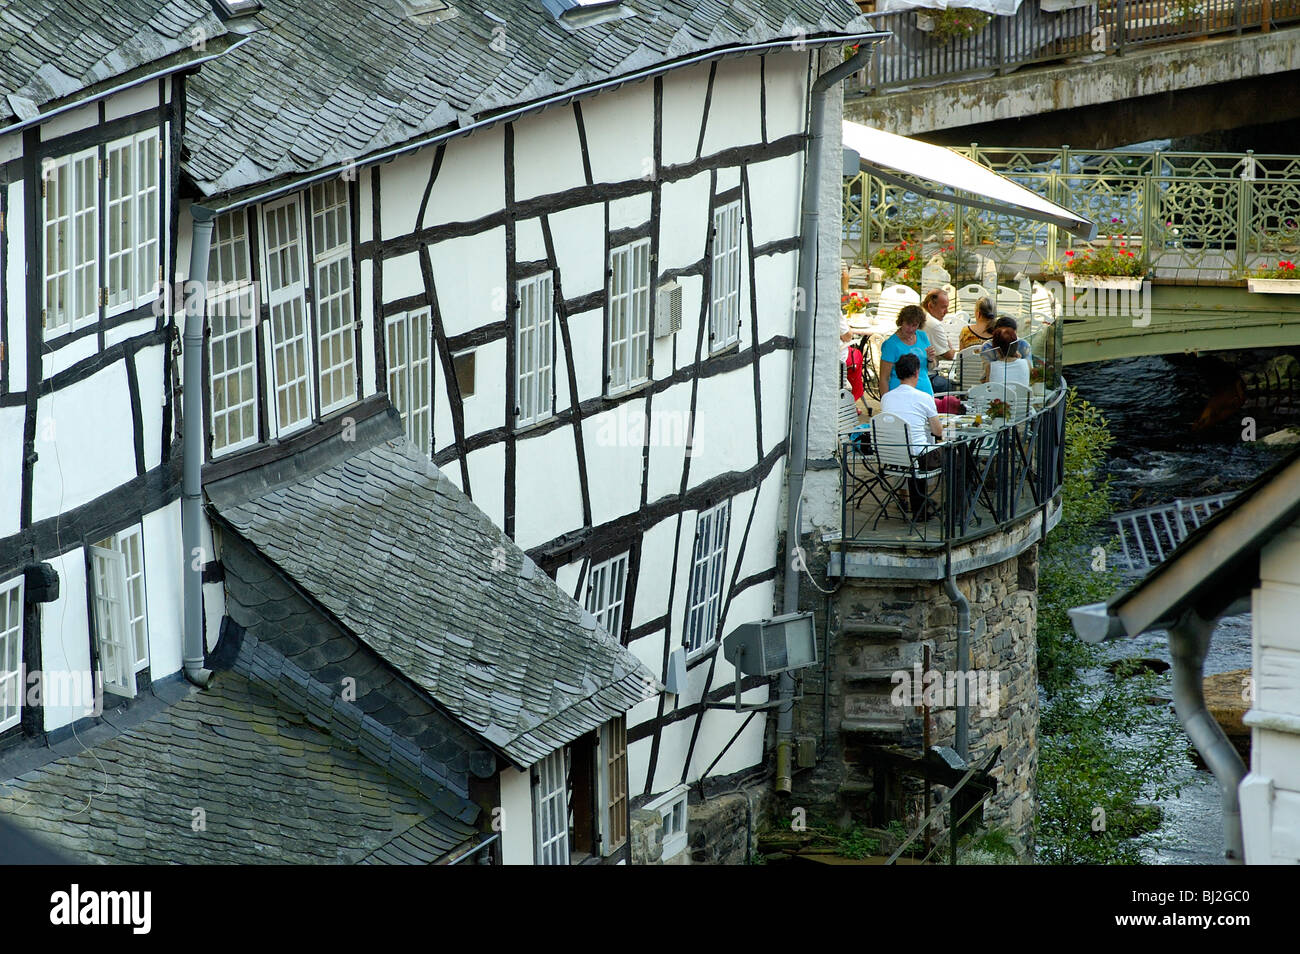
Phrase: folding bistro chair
pixel 968 295
pixel 896 463
pixel 968 368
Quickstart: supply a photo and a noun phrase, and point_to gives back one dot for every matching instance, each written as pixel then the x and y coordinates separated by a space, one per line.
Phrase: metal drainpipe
pixel 801 387
pixel 955 596
pixel 196 296
pixel 1189 640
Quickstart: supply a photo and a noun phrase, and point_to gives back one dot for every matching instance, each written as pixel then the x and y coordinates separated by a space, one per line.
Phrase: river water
pixel 1160 454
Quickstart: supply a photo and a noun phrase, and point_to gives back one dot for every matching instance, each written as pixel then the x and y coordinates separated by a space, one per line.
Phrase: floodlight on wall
pixel 769 647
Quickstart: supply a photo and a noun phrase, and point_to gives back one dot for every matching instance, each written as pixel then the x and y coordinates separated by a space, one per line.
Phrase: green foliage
pixel 857 843
pixel 1104 750
pixel 953 22
pixel 991 846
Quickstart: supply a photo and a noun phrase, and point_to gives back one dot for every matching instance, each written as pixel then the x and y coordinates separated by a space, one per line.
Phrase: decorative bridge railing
pixel 1190 217
pixel 1149 535
pixel 1036 35
pixel 980 483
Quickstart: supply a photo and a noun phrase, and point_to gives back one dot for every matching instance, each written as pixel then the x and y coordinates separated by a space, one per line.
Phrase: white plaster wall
pixel 652 587
pixel 530 246
pixel 566 577
pixel 548 500
pixel 775 206
pixel 134 100
pixel 572 230
pixel 65 638
pixel 485 409
pixel 11 469
pixel 724 425
pixel 11 146
pixel 587 330
pixel 787 93
pixel 469 274
pixel 629 212
pixel 15 288
pixel 479 159
pixel 164 568
pixel 620 133
pixel 517 817
pixel 401 189
pixel 683 100
pixel 775 278
pixel 553 134
pixel 716 730
pixel 734 114
pixel 774 371
pixel 615 471
pixel 402 277
pixel 486 466
pixel 84 442
pixel 68 355
pixel 674 743
pixel 149 365
pixel 365 210
pixel 670 416
pixel 129 330
pixel 73 121
pixel 366 315
pixel 684 216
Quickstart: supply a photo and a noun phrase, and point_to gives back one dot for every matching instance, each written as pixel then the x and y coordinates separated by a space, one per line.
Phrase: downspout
pixel 1189 640
pixel 196 297
pixel 958 599
pixel 801 387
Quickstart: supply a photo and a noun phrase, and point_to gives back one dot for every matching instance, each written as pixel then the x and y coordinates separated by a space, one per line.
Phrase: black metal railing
pixel 1037 35
pixel 981 482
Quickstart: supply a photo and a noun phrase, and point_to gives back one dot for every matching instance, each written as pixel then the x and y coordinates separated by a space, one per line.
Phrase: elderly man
pixel 935 306
pixel 917 410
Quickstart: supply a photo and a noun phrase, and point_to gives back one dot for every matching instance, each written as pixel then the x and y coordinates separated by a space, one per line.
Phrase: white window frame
pixel 551 809
pixel 410 373
pixel 112 620
pixel 534 349
pixel 331 222
pixel 672 807
pixel 11 653
pixel 130 543
pixel 607 591
pixel 708 573
pixel 138 206
pixel 628 323
pixel 283 338
pixel 79 231
pixel 612 782
pixel 232 323
pixel 724 307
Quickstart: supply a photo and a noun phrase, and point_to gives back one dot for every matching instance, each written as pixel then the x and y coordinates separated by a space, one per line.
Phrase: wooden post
pixel 1265 15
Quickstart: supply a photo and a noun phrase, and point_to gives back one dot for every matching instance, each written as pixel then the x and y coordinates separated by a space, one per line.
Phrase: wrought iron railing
pixel 1149 535
pixel 1035 35
pixel 985 482
pixel 1188 216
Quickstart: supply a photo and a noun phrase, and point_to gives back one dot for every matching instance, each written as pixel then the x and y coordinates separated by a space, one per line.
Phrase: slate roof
pixel 330 81
pixel 53 49
pixel 274 787
pixel 396 553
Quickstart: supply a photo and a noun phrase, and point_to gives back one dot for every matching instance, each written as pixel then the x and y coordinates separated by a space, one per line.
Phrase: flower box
pixel 1086 282
pixel 1274 286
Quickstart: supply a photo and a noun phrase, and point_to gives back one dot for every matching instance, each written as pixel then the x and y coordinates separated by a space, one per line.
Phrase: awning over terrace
pixel 932 171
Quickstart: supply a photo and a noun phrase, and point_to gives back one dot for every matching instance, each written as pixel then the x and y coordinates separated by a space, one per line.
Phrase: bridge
pixel 1149 535
pixel 1178 67
pixel 1199 223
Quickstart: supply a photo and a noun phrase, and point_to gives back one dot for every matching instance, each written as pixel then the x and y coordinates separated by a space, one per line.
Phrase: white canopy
pixel 1003 8
pixel 890 157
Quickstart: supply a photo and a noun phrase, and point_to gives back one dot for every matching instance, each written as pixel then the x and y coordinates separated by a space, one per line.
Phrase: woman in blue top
pixel 908 339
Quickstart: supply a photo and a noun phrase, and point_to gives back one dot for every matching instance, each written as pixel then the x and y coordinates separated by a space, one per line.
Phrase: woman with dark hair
pixel 1007 366
pixel 908 339
pixel 980 329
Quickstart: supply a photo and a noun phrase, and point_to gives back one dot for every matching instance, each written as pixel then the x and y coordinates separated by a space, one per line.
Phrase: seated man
pixel 917 410
pixel 935 306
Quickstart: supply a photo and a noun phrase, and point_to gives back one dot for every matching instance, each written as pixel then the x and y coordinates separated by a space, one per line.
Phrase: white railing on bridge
pixel 1149 535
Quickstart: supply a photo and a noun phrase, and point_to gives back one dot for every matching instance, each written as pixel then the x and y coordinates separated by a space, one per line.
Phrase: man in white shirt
pixel 935 306
pixel 918 411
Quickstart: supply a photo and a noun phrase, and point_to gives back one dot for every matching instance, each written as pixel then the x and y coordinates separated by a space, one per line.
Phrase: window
pixel 121 628
pixel 629 315
pixel 671 807
pixel 232 345
pixel 724 313
pixel 533 350
pixel 707 571
pixel 131 220
pixel 463 365
pixel 332 260
pixel 286 295
pixel 611 766
pixel 409 385
pixel 70 186
pixel 551 808
pixel 11 653
pixel 605 591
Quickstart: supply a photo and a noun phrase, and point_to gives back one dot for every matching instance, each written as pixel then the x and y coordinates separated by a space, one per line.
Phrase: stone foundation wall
pixel 883 628
pixel 720 829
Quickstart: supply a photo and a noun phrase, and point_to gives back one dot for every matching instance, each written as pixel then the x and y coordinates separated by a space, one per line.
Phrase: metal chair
pixel 897 463
pixel 848 421
pixel 968 295
pixel 1015 395
pixel 967 368
pixel 1010 303
pixel 892 300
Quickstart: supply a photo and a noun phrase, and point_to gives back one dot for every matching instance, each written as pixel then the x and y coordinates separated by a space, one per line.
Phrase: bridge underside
pixel 1183 319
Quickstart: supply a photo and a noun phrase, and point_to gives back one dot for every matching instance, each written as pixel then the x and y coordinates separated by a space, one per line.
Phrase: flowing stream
pixel 1165 449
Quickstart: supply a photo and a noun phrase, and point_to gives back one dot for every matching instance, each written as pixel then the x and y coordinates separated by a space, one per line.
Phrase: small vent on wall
pixel 668 310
